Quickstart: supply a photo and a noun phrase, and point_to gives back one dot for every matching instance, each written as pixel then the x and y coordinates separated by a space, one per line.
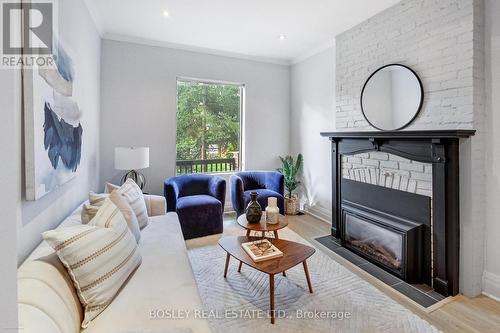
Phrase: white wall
pixel 10 149
pixel 139 105
pixel 77 30
pixel 491 277
pixel 313 109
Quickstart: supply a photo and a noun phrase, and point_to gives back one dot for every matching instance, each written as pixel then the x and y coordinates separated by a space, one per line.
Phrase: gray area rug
pixel 240 302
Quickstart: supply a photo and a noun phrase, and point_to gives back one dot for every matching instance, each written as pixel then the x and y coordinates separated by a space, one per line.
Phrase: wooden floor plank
pixel 480 314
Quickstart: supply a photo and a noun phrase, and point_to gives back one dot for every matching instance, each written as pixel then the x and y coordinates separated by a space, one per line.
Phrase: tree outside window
pixel 208 126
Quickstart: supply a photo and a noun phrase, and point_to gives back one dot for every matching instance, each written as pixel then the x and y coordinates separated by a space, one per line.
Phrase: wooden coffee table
pixel 262 227
pixel 293 254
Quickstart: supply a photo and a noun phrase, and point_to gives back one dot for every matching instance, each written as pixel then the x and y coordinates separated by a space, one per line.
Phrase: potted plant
pixel 291 170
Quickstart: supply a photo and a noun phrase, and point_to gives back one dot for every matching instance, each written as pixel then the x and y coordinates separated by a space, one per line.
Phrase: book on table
pixel 261 250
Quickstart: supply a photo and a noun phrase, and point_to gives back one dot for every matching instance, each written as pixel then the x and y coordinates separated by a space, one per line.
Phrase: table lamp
pixel 132 159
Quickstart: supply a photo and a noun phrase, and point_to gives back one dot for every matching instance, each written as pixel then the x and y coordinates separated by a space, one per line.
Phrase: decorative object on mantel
pixel 254 210
pixel 272 211
pixel 439 147
pixel 392 97
pixel 291 170
pixel 132 159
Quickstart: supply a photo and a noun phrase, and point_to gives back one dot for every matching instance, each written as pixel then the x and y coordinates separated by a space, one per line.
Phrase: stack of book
pixel 261 250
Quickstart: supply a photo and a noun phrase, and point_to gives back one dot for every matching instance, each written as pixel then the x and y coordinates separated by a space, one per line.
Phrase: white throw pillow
pixel 97 199
pixel 110 187
pixel 99 259
pixel 135 199
pixel 88 213
pixel 121 202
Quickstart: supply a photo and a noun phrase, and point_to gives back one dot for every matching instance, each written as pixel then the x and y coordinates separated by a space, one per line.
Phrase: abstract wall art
pixel 53 131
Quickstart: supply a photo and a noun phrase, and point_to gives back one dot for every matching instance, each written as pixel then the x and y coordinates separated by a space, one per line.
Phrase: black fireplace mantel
pixel 441 149
pixel 423 134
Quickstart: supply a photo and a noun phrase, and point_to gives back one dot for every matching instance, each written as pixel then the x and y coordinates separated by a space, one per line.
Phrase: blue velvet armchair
pixel 198 200
pixel 265 183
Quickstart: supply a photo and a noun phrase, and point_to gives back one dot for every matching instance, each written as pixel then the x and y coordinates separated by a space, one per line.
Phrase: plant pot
pixel 291 205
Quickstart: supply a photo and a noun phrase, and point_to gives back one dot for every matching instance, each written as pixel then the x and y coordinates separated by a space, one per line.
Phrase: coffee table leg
pixel 306 271
pixel 271 296
pixel 276 237
pixel 228 256
pixel 248 232
pixel 239 267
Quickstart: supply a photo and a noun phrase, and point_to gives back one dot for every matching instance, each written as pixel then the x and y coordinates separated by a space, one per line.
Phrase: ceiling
pixel 248 28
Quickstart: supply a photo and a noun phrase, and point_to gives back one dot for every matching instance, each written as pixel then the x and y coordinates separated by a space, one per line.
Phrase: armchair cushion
pixel 198 202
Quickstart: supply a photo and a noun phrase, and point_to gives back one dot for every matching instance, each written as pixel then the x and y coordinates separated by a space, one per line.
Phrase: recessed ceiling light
pixel 283 37
pixel 164 13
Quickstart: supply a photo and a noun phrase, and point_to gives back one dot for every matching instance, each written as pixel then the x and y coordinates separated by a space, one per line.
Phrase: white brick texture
pixel 435 38
pixel 388 170
pixel 443 41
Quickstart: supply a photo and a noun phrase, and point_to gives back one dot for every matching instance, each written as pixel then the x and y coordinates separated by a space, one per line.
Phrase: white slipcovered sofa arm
pixel 156 205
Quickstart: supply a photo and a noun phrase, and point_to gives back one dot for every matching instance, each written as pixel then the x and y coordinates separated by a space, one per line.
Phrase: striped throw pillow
pixel 97 199
pixel 99 257
pixel 110 187
pixel 120 201
pixel 135 199
pixel 88 213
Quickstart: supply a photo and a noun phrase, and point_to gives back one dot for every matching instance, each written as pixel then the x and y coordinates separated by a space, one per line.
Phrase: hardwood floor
pixel 460 314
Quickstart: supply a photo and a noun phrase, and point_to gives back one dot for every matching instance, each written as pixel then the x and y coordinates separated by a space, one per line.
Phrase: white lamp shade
pixel 130 158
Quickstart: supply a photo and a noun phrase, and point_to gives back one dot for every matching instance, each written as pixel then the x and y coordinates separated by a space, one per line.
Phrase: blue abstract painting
pixel 53 128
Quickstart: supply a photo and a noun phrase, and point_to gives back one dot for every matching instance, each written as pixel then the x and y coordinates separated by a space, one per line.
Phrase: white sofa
pixel 48 302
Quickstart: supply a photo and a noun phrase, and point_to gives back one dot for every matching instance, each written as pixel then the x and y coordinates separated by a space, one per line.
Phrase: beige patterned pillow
pixel 88 213
pixel 98 259
pixel 135 199
pixel 97 199
pixel 129 215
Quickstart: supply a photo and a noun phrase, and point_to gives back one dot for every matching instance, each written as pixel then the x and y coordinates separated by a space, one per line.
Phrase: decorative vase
pixel 254 210
pixel 272 211
pixel 291 205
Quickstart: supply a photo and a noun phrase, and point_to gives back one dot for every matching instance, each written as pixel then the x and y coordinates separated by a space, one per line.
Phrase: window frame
pixel 242 87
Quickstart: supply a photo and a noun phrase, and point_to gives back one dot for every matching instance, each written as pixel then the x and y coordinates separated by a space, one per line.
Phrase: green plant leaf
pixel 290 171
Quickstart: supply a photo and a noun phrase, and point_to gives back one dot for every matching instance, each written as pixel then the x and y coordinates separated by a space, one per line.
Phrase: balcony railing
pixel 201 166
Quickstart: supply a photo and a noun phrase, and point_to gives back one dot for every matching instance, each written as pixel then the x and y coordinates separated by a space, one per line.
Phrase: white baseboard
pixel 320 213
pixel 491 285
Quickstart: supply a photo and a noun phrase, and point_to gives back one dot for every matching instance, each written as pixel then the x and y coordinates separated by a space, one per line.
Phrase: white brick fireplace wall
pixel 390 171
pixel 442 41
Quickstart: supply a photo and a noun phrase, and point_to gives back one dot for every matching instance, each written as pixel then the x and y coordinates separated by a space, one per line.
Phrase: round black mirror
pixel 392 97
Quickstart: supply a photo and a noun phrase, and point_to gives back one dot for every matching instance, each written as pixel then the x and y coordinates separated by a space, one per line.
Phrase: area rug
pixel 341 302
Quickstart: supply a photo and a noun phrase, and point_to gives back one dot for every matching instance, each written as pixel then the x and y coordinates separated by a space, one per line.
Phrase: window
pixel 208 126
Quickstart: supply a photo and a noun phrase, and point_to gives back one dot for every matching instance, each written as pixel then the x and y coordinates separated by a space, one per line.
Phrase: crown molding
pixel 197 49
pixel 319 49
pixel 95 17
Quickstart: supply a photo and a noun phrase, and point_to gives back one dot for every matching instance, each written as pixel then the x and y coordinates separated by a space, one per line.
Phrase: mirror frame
pixel 417 111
